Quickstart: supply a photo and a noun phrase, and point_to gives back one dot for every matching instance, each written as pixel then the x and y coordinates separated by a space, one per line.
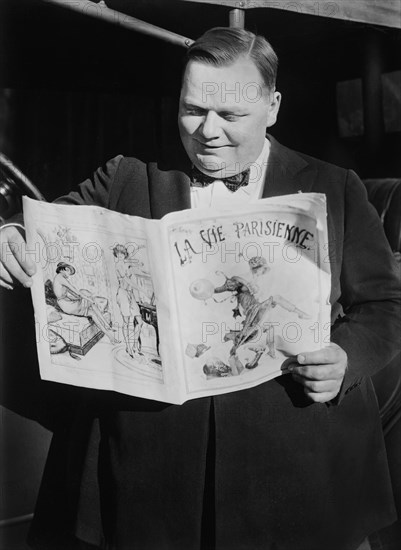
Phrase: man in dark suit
pixel 297 463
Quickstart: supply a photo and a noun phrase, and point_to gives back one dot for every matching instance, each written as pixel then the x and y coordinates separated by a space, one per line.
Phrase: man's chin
pixel 212 165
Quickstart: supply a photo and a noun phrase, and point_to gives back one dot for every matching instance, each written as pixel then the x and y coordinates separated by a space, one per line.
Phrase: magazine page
pixel 97 298
pixel 251 290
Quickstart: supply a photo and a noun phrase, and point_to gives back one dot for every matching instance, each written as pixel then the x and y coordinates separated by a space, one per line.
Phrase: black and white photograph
pixel 200 275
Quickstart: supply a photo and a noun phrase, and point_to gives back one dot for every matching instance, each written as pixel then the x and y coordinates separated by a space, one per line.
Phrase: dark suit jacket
pixel 286 474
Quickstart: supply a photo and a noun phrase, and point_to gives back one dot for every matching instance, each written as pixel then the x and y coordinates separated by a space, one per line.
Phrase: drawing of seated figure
pixel 80 302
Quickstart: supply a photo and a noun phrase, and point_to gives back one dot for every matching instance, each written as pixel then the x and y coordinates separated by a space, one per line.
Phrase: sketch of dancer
pixel 80 302
pixel 130 312
pixel 253 309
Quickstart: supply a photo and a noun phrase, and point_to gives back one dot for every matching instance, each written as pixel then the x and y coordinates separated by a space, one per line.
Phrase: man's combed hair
pixel 222 46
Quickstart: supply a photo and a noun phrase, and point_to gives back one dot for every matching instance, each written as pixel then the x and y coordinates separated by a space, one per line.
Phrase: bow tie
pixel 233 183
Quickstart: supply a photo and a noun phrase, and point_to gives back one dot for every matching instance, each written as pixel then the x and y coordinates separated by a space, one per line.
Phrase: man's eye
pixel 231 118
pixel 194 112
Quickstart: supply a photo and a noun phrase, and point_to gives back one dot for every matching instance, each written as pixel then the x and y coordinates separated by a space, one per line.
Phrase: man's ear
pixel 273 108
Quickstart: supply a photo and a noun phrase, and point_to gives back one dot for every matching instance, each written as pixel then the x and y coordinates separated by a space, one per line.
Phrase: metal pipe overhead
pixel 102 12
pixel 372 12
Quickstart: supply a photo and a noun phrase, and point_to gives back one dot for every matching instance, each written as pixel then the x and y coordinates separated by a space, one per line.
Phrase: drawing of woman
pixel 82 303
pixel 130 312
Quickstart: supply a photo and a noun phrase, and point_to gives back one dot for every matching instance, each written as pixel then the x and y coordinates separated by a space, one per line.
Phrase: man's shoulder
pixel 292 171
pixel 144 163
pixel 323 165
pixel 129 169
pixel 131 162
pixel 319 164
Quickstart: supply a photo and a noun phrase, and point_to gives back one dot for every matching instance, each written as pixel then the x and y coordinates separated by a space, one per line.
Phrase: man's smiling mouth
pixel 206 146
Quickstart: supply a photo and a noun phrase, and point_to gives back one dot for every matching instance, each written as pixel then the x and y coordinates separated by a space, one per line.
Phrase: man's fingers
pixel 317 386
pixel 5 277
pixel 19 250
pixel 6 285
pixel 317 372
pixel 329 354
pixel 319 391
pixel 320 372
pixel 15 261
pixel 14 272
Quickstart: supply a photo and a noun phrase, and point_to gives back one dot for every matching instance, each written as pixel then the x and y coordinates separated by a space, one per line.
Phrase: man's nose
pixel 210 128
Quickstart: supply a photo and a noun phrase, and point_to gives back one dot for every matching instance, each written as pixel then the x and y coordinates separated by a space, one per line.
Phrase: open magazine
pixel 200 303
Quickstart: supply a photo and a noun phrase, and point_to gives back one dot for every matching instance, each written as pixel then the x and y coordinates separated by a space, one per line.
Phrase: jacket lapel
pixel 287 172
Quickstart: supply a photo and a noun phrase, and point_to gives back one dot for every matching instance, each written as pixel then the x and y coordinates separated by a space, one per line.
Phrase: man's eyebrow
pixel 233 111
pixel 190 105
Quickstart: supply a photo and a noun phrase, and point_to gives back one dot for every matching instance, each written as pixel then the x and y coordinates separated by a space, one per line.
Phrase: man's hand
pixel 15 264
pixel 320 372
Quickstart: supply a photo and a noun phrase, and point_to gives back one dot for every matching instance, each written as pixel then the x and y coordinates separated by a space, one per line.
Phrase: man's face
pixel 223 115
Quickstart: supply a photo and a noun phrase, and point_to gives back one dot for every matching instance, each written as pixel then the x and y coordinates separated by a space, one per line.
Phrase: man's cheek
pixel 187 122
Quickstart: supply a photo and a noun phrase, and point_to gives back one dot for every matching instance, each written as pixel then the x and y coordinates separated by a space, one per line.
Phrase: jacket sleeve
pixel 369 331
pixel 95 190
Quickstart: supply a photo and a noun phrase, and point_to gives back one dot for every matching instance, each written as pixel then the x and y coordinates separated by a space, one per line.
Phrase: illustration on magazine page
pixel 250 293
pixel 97 325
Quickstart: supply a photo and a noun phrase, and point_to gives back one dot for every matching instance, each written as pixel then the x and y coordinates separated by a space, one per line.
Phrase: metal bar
pixel 101 11
pixel 237 18
pixel 372 12
pixel 23 183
